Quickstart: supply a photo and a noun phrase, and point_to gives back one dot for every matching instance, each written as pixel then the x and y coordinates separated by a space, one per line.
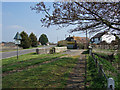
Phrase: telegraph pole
pixel 17 51
pixel 86 40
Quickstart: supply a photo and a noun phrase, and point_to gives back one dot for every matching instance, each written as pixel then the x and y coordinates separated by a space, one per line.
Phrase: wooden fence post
pixel 96 62
pixel 92 55
pixel 100 69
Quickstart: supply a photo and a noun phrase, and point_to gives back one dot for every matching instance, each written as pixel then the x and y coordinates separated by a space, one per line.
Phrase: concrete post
pixel 111 84
pixel 90 50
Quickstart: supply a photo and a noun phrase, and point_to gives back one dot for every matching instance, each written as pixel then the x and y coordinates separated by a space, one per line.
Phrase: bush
pixel 81 46
pixel 52 50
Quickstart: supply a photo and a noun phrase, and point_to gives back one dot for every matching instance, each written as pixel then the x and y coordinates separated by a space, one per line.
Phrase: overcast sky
pixel 18 17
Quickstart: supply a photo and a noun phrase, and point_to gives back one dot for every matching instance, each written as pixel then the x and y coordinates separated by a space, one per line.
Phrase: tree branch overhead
pixel 87 15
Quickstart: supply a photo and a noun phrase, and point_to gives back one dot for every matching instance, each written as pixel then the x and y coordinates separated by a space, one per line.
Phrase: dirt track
pixel 78 75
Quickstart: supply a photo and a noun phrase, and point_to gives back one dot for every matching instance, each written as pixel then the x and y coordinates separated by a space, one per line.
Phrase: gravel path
pixel 73 52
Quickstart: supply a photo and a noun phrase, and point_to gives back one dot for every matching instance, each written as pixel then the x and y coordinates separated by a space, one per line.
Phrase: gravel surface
pixel 73 52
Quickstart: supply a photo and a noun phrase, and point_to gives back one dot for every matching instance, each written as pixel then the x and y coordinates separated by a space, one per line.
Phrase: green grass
pixel 108 67
pixel 110 70
pixel 95 81
pixel 111 50
pixel 50 75
pixel 21 58
pixel 27 60
pixel 118 74
pixel 35 47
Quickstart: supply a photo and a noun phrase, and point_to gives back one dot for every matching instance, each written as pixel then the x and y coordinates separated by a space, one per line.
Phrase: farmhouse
pixel 74 41
pixel 80 39
pixel 8 44
pixel 103 36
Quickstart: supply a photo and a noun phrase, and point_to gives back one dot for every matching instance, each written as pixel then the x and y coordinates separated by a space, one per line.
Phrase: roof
pixel 80 38
pixel 69 38
pixel 77 39
pixel 99 35
pixel 17 36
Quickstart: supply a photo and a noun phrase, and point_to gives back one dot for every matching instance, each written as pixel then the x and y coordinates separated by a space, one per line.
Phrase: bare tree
pixel 94 16
pixel 90 17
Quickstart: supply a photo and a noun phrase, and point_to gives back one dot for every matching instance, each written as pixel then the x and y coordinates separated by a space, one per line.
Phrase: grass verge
pixel 111 70
pixel 93 78
pixel 50 75
pixel 27 60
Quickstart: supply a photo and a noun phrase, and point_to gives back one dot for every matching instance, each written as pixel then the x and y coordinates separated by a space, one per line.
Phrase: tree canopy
pixel 43 39
pixel 33 38
pixel 91 16
pixel 25 42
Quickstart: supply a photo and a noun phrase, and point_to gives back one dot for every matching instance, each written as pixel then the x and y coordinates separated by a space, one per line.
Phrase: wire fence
pixel 100 66
pixel 110 81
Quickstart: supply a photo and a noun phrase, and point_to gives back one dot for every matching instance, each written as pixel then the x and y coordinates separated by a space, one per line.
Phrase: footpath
pixel 78 75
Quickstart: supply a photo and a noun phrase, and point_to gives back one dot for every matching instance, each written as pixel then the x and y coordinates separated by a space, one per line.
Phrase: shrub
pixel 52 50
pixel 80 45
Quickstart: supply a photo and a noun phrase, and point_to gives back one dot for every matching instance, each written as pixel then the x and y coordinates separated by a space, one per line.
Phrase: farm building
pixel 73 42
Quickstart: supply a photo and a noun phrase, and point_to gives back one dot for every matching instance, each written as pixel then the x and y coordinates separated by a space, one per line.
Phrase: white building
pixel 108 38
pixel 104 36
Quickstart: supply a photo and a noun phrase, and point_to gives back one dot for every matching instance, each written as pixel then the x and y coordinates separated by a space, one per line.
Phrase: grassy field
pixel 111 50
pixel 26 61
pixel 104 51
pixel 47 75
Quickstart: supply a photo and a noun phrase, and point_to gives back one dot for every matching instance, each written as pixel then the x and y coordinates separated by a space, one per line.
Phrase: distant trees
pixel 43 39
pixel 34 41
pixel 28 41
pixel 25 42
pixel 31 40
